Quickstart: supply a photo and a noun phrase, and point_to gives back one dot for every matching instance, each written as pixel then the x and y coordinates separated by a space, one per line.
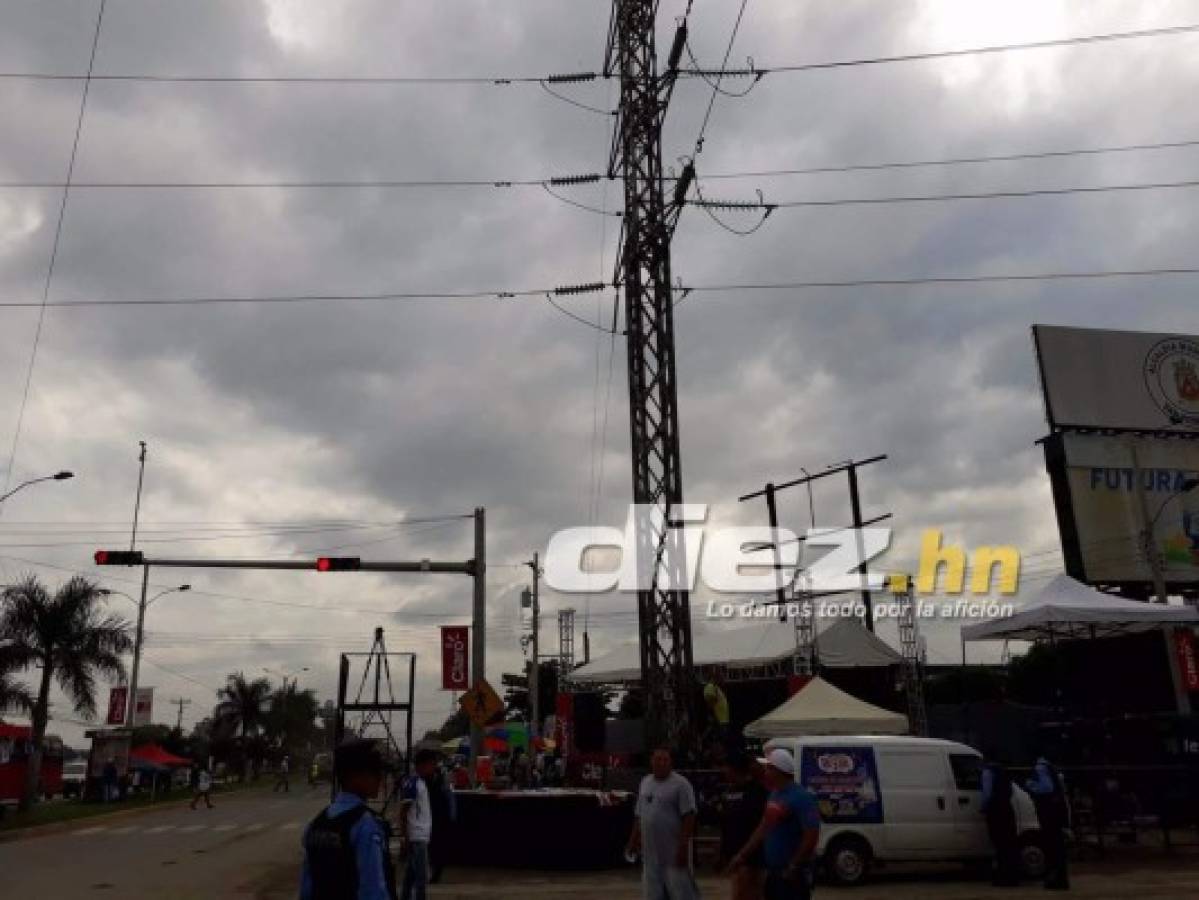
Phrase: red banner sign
pixel 455 646
pixel 118 702
pixel 1188 662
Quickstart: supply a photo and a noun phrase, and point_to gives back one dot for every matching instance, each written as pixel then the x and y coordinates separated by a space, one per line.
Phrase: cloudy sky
pixel 284 430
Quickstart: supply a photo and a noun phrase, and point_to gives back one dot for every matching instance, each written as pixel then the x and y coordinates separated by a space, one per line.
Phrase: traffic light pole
pixel 476 568
pixel 131 709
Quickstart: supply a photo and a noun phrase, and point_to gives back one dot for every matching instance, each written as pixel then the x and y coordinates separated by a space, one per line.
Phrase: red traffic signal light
pixel 338 564
pixel 120 558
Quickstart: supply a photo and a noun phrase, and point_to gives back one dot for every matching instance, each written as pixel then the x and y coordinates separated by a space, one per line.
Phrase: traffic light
pixel 338 564
pixel 120 558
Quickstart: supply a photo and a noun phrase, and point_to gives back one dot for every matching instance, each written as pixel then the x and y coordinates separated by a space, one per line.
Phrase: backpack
pixel 332 863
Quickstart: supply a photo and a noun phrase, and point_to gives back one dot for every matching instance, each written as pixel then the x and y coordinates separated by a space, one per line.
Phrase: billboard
pixel 1108 488
pixel 1118 380
pixel 455 641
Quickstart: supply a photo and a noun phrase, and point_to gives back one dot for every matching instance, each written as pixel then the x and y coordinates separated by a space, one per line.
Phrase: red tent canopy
pixel 155 755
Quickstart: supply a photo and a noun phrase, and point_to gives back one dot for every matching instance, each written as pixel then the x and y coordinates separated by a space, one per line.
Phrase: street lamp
pixel 57 476
pixel 282 673
pixel 142 605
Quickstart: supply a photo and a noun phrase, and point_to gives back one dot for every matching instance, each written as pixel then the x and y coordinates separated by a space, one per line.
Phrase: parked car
pixel 74 778
pixel 902 799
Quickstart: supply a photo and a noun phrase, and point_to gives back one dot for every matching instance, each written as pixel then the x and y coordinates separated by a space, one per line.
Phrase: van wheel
pixel 847 860
pixel 1032 857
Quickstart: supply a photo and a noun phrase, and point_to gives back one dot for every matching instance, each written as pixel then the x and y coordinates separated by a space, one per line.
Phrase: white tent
pixel 1066 608
pixel 820 708
pixel 842 645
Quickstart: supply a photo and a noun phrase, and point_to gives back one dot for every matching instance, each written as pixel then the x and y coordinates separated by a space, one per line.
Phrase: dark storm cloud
pixel 379 411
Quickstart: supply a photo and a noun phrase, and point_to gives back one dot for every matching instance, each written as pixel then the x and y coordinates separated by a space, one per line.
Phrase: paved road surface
pixel 246 845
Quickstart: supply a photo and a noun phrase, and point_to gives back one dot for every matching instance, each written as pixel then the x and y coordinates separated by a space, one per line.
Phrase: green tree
pixel 291 718
pixel 243 708
pixel 73 640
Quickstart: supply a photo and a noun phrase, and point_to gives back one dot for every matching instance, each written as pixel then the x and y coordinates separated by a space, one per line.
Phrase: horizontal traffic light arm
pixel 300 565
pixel 119 558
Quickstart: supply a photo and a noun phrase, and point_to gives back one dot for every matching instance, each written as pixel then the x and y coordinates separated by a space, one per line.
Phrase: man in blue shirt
pixel 345 846
pixel 788 833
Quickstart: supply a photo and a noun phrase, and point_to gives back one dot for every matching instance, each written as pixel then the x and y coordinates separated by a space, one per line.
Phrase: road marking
pixel 95 829
pixel 224 827
pixel 191 829
pixel 124 829
pixel 288 826
pixel 159 829
pixel 257 826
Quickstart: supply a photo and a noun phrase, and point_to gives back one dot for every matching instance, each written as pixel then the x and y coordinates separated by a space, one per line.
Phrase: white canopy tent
pixel 1066 609
pixel 820 708
pixel 843 644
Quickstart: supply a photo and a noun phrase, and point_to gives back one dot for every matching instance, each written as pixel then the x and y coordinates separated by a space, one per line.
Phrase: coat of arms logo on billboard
pixel 1172 378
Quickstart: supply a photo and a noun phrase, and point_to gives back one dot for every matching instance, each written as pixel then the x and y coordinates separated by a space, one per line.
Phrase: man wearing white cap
pixel 788 833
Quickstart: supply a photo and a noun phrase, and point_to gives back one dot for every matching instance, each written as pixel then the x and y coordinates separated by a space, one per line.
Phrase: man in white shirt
pixel 416 825
pixel 663 826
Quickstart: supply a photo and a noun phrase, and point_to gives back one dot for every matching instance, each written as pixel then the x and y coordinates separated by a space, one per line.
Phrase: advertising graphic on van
pixel 845 783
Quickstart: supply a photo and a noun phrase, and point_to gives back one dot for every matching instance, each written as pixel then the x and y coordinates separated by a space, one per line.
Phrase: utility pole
pixel 643 268
pixel 137 648
pixel 566 643
pixel 137 503
pixel 535 671
pixel 180 702
pixel 478 650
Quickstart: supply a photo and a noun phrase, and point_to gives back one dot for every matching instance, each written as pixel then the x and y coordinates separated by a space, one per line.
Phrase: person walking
pixel 1048 791
pixel 788 833
pixel 203 788
pixel 283 776
pixel 416 825
pixel 741 808
pixel 445 811
pixel 1001 823
pixel 663 825
pixel 345 846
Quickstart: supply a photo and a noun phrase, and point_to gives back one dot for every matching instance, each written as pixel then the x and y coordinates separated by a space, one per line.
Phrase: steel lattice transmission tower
pixel 643 269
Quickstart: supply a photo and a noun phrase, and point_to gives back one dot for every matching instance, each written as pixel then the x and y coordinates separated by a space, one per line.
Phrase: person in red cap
pixel 788 832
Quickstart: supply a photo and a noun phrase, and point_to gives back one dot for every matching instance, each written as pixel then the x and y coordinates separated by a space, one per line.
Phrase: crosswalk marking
pixel 95 829
pixel 191 829
pixel 159 829
pixel 257 826
pixel 289 826
pixel 125 829
pixel 227 827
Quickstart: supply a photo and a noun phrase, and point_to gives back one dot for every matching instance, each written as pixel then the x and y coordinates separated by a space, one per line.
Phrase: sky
pixel 288 430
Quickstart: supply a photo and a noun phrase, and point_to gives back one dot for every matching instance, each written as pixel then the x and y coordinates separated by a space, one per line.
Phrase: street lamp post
pixel 57 476
pixel 142 605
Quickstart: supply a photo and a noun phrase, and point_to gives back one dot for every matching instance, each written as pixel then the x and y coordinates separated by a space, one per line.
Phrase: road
pixel 248 845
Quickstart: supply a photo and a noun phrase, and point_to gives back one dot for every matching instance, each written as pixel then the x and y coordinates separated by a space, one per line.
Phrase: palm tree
pixel 13 695
pixel 291 718
pixel 243 705
pixel 72 639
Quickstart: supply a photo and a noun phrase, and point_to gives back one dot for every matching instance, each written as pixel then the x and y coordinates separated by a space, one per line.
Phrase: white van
pixel 900 799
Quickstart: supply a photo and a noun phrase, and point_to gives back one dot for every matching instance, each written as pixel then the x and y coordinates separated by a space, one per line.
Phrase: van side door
pixel 970 826
pixel 916 793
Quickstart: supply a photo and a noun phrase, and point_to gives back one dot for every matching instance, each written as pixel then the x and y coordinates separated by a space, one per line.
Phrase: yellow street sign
pixel 481 703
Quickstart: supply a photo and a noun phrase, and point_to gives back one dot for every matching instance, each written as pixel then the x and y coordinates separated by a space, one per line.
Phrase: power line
pixel 739 206
pixel 62 214
pixel 758 72
pixel 589 178
pixel 585 77
pixel 347 298
pixel 699 140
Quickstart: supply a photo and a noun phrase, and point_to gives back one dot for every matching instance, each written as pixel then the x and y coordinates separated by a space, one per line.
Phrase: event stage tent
pixel 819 708
pixel 1066 609
pixel 844 644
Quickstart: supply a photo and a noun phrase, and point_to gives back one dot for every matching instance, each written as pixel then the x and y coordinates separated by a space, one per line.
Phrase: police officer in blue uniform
pixel 345 846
